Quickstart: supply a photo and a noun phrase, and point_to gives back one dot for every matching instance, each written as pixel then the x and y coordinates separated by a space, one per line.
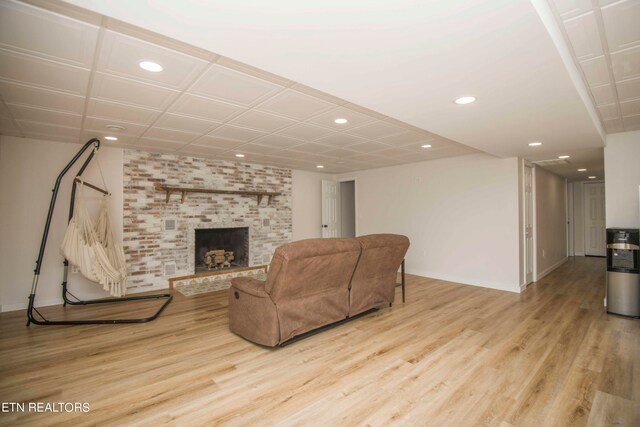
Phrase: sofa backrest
pixel 309 282
pixel 310 266
pixel 374 279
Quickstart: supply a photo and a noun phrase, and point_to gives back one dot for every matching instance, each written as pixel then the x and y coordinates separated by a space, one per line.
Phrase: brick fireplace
pixel 150 245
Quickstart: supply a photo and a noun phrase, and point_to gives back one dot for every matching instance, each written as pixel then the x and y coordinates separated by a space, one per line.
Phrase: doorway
pixel 587 225
pixel 594 221
pixel 338 208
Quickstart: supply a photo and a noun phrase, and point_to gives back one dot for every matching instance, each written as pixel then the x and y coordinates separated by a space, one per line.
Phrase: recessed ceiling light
pixel 240 155
pixel 116 128
pixel 320 166
pixel 111 138
pixel 534 144
pixel 340 121
pixel 592 177
pixel 563 157
pixel 154 67
pixel 426 146
pixel 465 100
pixel 582 170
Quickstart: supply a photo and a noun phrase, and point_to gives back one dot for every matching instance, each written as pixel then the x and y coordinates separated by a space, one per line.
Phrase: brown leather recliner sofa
pixel 315 282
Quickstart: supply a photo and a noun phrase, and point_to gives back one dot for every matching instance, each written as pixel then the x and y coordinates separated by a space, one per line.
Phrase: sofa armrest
pixel 250 286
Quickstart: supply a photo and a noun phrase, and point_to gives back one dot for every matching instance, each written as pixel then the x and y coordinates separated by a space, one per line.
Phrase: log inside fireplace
pixel 235 240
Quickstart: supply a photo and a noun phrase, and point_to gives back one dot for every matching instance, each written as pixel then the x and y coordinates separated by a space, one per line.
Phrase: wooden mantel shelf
pixel 184 190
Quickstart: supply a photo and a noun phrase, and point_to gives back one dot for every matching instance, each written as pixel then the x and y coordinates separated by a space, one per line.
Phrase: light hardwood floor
pixel 453 355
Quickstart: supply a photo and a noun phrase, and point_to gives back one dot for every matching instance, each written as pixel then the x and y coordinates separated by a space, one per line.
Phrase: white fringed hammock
pixel 92 247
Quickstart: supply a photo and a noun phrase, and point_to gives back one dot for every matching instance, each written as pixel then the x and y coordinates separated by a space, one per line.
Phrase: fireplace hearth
pixel 221 248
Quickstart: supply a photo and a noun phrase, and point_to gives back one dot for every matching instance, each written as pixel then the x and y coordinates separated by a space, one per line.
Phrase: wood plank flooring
pixel 453 355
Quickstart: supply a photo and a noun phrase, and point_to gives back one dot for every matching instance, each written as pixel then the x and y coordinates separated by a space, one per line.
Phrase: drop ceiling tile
pixel 365 157
pixel 236 133
pixel 53 117
pixel 368 147
pixel 630 108
pixel 626 63
pixel 118 89
pixel 595 71
pixel 43 98
pixel 392 152
pixel 306 131
pixel 310 147
pixel 354 118
pixel 121 112
pixel 603 95
pixel 609 111
pixel 49 35
pixel 39 72
pixel 45 130
pixel 184 123
pixel 628 89
pixel 622 24
pixel 7 124
pixel 340 139
pixel 295 105
pixel 233 86
pixel 277 141
pixel 153 144
pixel 261 121
pixel 340 153
pixel 120 55
pixel 8 127
pixel 376 130
pixel 296 156
pixel 584 37
pixel 151 148
pixel 198 150
pixel 123 140
pixel 100 125
pixel 210 141
pixel 4 111
pixel 406 138
pixel 205 108
pixel 171 135
pixel 570 8
pixel 631 122
pixel 255 149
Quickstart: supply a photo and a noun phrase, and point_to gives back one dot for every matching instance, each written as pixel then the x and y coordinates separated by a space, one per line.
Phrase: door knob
pixel 325 226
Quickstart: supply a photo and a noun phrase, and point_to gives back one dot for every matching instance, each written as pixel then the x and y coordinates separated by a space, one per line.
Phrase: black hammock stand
pixel 67 296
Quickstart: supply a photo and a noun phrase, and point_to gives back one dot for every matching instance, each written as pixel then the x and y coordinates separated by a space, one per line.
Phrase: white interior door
pixel 594 219
pixel 528 222
pixel 330 212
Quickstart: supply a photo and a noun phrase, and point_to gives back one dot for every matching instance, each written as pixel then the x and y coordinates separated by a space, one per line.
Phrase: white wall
pixel 28 169
pixel 461 215
pixel 306 203
pixel 622 179
pixel 551 222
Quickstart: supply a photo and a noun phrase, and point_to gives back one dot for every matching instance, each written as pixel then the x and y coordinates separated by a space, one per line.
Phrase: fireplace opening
pixel 221 248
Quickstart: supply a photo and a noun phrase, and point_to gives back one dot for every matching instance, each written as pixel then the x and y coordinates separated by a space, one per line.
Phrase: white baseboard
pixel 544 273
pixel 23 305
pixel 466 281
pixel 58 301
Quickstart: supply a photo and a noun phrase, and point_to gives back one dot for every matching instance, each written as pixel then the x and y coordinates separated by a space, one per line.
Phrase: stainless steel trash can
pixel 623 275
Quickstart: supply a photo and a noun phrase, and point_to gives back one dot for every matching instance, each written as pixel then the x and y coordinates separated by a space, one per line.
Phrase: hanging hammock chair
pixel 92 247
